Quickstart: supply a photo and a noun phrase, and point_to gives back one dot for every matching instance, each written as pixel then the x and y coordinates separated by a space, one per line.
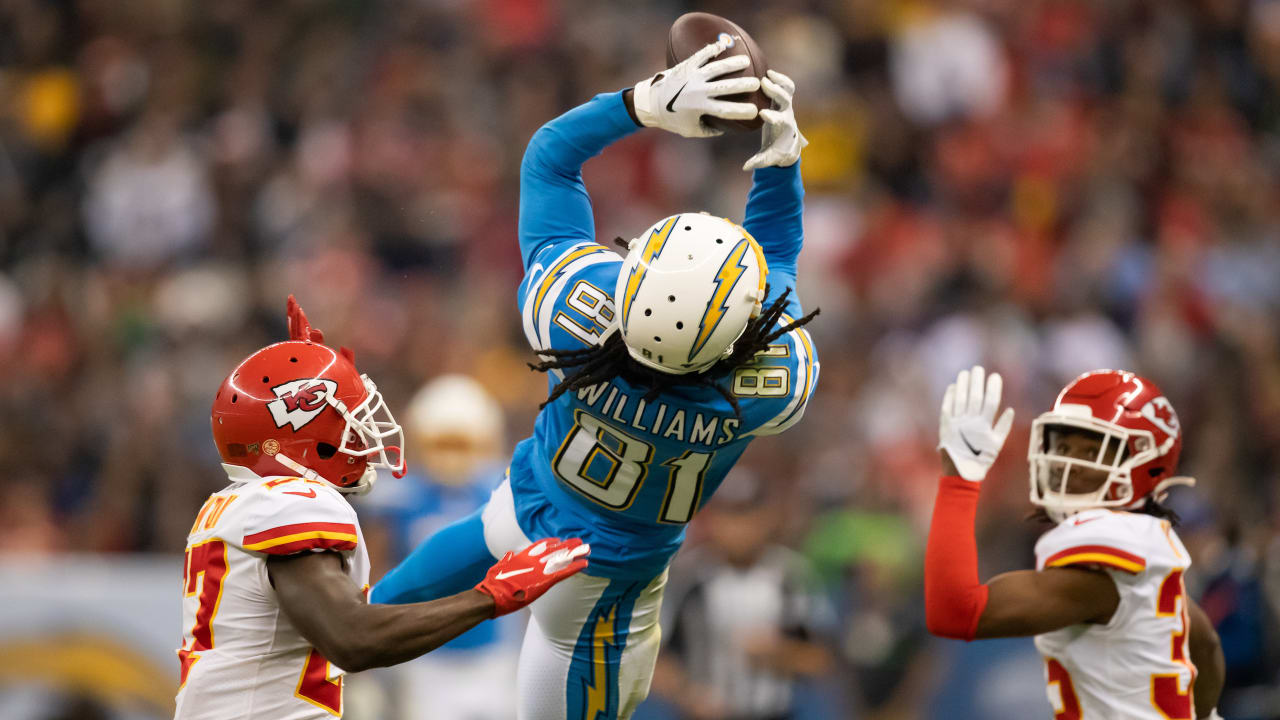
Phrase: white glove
pixel 677 98
pixel 967 428
pixel 1213 715
pixel 781 142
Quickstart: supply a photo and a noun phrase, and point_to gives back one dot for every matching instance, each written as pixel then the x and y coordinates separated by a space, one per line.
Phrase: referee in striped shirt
pixel 743 614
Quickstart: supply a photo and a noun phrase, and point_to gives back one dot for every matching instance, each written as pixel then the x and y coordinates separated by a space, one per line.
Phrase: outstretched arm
pixel 554 204
pixel 326 607
pixel 775 206
pixel 774 218
pixel 1014 604
pixel 1026 602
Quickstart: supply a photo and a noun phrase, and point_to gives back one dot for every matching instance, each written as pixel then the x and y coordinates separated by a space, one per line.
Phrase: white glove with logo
pixel 967 428
pixel 781 142
pixel 677 98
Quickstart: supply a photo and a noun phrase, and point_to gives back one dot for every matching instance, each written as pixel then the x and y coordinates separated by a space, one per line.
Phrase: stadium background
pixel 1042 186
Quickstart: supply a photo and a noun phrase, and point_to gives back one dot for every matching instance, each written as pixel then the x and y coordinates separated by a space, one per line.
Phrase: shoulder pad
pixel 776 388
pixel 283 516
pixel 1099 538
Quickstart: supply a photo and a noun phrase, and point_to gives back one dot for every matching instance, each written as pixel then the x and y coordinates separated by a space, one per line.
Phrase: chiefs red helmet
pixel 301 408
pixel 1140 443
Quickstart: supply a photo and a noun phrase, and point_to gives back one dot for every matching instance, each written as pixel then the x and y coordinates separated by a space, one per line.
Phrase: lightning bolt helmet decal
pixel 688 290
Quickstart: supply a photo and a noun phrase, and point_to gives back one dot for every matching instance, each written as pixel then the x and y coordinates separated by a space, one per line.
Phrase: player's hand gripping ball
pixel 781 141
pixel 682 98
pixel 520 578
pixel 693 31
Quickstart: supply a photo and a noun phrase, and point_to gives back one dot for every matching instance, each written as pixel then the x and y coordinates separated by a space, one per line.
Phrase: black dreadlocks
pixel 611 359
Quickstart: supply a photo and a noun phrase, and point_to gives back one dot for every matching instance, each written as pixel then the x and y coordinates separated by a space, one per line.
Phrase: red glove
pixel 520 578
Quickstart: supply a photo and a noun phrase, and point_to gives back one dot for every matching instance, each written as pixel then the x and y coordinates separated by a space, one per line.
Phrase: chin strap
pixel 362 487
pixel 301 470
pixel 1162 488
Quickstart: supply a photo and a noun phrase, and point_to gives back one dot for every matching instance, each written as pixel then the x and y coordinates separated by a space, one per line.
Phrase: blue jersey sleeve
pixel 774 390
pixel 566 299
pixel 555 209
pixel 774 217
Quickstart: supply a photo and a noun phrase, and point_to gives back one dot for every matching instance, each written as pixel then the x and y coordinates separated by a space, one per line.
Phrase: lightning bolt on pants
pixel 590 649
pixel 591 645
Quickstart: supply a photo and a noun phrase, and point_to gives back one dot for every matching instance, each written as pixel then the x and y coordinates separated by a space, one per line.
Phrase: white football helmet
pixel 687 289
pixel 456 426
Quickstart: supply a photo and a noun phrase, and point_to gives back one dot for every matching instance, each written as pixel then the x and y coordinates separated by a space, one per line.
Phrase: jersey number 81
pixel 621 462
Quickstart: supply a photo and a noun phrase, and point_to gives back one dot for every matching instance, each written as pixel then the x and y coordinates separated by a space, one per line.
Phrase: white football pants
pixel 592 643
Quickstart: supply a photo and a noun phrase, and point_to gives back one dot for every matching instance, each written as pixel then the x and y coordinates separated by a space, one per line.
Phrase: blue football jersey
pixel 625 474
pixel 603 464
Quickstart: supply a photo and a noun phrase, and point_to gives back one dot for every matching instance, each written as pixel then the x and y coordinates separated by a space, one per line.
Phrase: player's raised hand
pixel 967 428
pixel 676 98
pixel 520 578
pixel 781 140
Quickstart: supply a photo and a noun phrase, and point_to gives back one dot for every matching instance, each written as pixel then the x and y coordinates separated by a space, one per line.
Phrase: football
pixel 692 32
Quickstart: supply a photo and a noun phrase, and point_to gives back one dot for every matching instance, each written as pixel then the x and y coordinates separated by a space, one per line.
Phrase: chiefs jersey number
pixel 1068 706
pixel 1174 702
pixel 204 569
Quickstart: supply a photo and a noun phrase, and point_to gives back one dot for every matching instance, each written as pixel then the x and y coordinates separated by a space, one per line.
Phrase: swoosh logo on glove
pixel 511 573
pixel 671 105
pixel 976 452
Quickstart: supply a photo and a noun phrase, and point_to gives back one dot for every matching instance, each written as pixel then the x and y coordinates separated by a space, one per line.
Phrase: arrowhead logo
pixel 298 402
pixel 1160 412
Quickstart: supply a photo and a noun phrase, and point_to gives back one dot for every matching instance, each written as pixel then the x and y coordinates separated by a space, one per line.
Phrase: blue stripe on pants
pixel 592 687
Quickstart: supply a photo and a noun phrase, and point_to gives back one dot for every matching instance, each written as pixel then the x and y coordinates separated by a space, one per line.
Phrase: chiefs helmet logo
pixel 1160 413
pixel 298 402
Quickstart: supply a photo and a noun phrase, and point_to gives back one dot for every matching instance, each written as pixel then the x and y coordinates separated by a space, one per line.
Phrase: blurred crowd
pixel 1041 186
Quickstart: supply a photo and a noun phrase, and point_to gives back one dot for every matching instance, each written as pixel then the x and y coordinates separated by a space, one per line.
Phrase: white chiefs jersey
pixel 240 655
pixel 1138 665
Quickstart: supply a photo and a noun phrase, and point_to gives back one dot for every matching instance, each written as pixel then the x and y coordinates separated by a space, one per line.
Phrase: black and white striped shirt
pixel 712 609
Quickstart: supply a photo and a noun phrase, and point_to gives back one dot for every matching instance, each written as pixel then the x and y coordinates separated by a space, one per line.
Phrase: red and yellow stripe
pixel 1098 555
pixel 289 539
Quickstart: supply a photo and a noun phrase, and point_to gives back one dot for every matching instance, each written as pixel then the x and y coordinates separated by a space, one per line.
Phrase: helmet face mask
pixel 1111 441
pixel 368 427
pixel 688 287
pixel 1065 483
